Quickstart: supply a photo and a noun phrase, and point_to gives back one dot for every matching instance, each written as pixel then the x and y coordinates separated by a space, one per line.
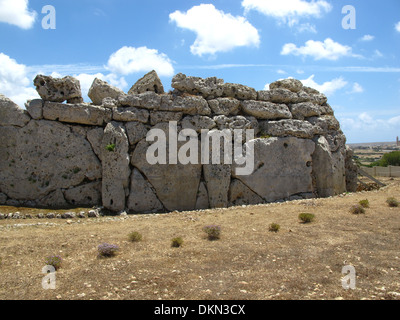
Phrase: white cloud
pixel 357 88
pixel 365 122
pixel 318 50
pixel 288 11
pixel 306 27
pixel 15 82
pixel 128 60
pixel 280 71
pixel 16 12
pixel 367 37
pixel 216 31
pixel 328 88
pixel 397 26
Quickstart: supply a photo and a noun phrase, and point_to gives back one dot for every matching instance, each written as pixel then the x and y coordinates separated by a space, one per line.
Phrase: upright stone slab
pixel 42 157
pixel 115 164
pixel 142 198
pixel 328 169
pixel 11 114
pixel 282 167
pixel 177 184
pixel 150 82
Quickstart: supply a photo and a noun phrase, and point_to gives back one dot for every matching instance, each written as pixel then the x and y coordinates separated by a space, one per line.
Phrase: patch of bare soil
pixel 301 261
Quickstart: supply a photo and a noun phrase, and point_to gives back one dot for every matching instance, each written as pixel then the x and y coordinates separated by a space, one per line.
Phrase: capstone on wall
pixel 56 154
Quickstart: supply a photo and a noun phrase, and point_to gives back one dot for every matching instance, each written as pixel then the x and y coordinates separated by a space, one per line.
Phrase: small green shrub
pixel 357 209
pixel 274 227
pixel 176 242
pixel 135 237
pixel 392 202
pixel 306 217
pixel 54 261
pixel 107 250
pixel 364 203
pixel 111 147
pixel 213 232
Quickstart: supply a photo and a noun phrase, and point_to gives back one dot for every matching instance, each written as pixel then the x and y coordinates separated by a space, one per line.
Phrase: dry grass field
pixel 301 261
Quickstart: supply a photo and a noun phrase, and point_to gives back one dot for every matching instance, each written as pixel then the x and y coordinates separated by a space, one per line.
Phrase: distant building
pixel 397 142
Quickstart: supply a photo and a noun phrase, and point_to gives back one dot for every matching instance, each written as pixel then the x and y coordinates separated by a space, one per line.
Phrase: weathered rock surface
pixel 54 200
pixel 290 84
pixel 35 108
pixel 282 167
pixel 130 114
pixel 198 123
pixel 11 114
pixel 3 198
pixel 58 90
pixel 147 100
pixel 239 91
pixel 240 194
pixel 142 198
pixel 266 110
pixel 77 113
pixel 218 179
pixel 192 105
pixel 225 106
pixel 328 169
pixel 164 116
pixel 202 197
pixel 136 131
pixel 208 88
pixel 42 157
pixel 115 164
pixel 290 127
pixel 176 185
pixel 101 89
pixel 304 110
pixel 351 171
pixel 150 82
pixel 86 195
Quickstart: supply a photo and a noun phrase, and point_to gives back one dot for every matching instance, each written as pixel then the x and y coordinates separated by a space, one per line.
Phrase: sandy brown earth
pixel 301 261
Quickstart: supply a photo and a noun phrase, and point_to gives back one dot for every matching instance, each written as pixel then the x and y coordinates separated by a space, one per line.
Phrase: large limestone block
pixel 239 91
pixel 77 113
pixel 279 95
pixel 101 89
pixel 202 197
pixel 240 194
pixel 11 114
pixel 198 123
pixel 42 157
pixel 191 105
pixel 130 114
pixel 208 88
pixel 136 131
pixel 54 200
pixel 150 82
pixel 304 110
pixel 95 137
pixel 225 106
pixel 325 123
pixel 35 108
pixel 58 90
pixel 284 128
pixel 328 170
pixel 351 171
pixel 164 116
pixel 282 167
pixel 147 100
pixel 142 198
pixel 218 179
pixel 87 195
pixel 115 165
pixel 290 84
pixel 266 110
pixel 177 184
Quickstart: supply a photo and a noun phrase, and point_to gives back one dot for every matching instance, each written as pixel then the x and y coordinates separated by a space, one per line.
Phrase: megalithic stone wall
pixel 56 154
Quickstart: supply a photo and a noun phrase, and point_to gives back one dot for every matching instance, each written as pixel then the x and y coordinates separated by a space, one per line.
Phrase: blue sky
pixel 253 42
